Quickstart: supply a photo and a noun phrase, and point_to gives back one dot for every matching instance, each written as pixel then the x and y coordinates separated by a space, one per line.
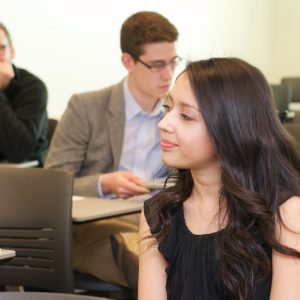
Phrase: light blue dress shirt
pixel 141 152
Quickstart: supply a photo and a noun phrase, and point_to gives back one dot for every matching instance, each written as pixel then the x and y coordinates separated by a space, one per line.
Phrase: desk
pixel 295 106
pixel 44 296
pixel 6 253
pixel 89 209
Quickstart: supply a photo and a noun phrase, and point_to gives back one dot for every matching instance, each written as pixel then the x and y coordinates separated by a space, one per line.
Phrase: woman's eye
pixel 186 117
pixel 166 107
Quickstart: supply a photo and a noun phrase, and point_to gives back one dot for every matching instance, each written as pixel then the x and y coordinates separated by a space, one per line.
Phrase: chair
pixel 90 285
pixel 282 96
pixel 44 296
pixel 35 221
pixel 52 123
pixel 294 83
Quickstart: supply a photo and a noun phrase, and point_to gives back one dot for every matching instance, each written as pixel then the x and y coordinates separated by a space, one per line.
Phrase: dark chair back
pixel 294 83
pixel 282 95
pixel 35 221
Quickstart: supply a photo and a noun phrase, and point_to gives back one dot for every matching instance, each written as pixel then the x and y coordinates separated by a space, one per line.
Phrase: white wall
pixel 73 45
pixel 286 44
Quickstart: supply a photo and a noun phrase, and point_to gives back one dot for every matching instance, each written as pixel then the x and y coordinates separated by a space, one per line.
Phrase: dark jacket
pixel 23 119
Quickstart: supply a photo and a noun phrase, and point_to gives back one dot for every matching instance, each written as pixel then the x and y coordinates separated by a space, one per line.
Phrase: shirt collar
pixel 132 108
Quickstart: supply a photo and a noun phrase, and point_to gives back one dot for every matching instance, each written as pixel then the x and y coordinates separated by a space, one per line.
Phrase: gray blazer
pixel 89 137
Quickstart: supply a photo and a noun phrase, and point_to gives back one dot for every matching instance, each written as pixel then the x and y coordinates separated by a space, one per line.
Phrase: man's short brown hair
pixel 143 28
pixel 4 29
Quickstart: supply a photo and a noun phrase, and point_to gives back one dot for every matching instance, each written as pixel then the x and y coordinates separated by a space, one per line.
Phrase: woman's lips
pixel 166 144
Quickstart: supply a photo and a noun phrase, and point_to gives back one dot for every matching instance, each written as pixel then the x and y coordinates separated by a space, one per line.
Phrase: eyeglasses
pixel 2 48
pixel 158 66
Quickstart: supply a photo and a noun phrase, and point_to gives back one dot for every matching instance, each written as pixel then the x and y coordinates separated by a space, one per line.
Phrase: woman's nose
pixel 165 124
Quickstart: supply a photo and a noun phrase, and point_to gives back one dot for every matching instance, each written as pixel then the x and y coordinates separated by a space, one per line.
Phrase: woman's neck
pixel 205 209
pixel 207 185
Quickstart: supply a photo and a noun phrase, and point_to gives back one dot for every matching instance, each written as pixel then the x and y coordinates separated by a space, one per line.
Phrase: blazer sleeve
pixel 69 146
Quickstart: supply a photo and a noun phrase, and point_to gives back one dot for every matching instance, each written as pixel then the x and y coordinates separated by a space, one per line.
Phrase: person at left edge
pixel 23 103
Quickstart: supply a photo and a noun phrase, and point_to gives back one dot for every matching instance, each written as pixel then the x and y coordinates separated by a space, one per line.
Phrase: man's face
pixel 6 51
pixel 154 82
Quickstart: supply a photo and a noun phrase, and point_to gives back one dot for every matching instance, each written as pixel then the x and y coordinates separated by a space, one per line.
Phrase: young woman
pixel 230 227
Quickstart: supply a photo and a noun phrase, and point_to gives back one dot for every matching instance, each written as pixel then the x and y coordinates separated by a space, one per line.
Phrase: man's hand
pixel 6 74
pixel 123 184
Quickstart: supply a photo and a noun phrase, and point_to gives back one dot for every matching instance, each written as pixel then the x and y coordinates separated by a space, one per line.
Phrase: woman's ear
pixel 128 61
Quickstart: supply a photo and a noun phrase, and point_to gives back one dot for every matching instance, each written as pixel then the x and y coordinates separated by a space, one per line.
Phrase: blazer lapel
pixel 116 122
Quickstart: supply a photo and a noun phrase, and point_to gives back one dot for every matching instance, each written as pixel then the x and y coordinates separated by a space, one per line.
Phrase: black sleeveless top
pixel 193 267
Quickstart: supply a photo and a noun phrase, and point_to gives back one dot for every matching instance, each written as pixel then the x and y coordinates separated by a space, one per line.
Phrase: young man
pixel 110 140
pixel 23 102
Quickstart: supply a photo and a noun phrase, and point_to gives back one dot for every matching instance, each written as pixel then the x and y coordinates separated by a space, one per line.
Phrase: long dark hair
pixel 259 162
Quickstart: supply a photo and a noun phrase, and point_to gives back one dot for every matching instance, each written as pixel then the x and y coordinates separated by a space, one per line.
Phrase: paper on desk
pixel 77 198
pixel 7 253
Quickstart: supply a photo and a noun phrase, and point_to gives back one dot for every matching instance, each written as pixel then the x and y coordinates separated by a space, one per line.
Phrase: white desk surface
pixel 89 209
pixel 6 253
pixel 25 164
